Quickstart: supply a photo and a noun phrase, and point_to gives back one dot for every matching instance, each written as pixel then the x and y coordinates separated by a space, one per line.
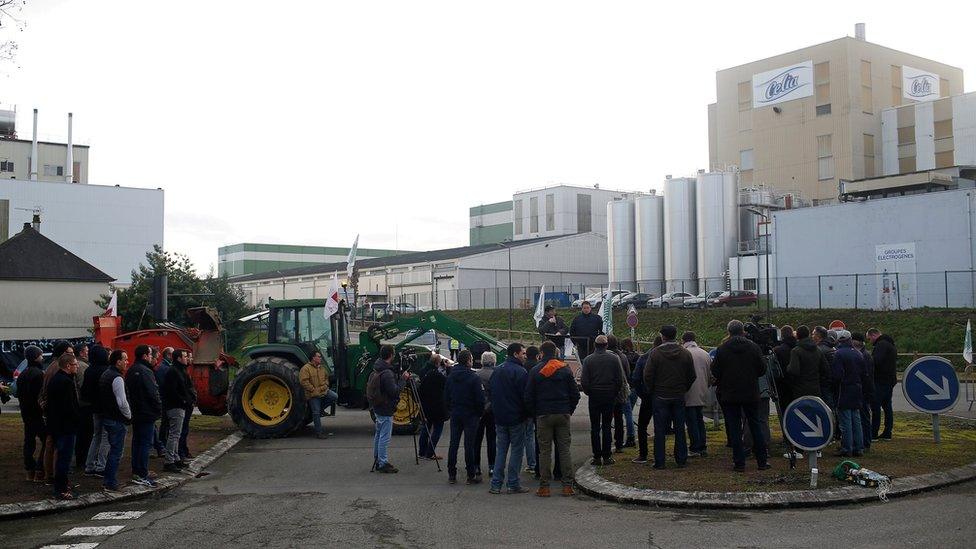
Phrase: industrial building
pixel 53 163
pixel 491 223
pixel 252 258
pixel 927 135
pixel 799 122
pixel 469 277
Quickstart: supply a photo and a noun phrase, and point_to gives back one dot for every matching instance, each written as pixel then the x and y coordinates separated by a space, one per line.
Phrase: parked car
pixel 668 300
pixel 597 298
pixel 428 339
pixel 735 298
pixel 637 299
pixel 701 300
pixel 402 308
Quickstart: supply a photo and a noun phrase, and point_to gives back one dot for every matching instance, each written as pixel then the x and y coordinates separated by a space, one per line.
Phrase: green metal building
pixel 252 258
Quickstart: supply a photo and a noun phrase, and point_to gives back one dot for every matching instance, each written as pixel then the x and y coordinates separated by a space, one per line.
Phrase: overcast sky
pixel 310 122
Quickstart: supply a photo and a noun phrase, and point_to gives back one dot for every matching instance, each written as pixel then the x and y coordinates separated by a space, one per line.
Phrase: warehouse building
pixel 251 258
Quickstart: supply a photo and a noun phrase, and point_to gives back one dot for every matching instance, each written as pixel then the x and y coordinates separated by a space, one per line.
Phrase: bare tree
pixel 10 19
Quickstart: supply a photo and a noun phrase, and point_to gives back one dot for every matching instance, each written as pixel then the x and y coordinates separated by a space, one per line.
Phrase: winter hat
pixel 843 335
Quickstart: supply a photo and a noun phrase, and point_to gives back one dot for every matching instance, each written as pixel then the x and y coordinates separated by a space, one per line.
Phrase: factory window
pixel 895 85
pixel 821 72
pixel 906 135
pixel 584 219
pixel 944 159
pixel 943 87
pixel 745 159
pixel 745 95
pixel 749 284
pixel 906 164
pixel 869 155
pixel 6 166
pixel 825 158
pixel 867 100
pixel 517 216
pixel 550 212
pixel 534 214
pixel 53 170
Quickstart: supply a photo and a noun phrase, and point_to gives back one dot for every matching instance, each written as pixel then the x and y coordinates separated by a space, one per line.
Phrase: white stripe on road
pixel 94 530
pixel 118 515
pixel 72 546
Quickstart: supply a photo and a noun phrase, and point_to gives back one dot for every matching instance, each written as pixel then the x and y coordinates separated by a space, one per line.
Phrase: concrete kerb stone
pixel 10 511
pixel 594 485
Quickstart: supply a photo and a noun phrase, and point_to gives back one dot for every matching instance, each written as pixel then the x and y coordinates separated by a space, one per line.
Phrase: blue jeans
pixel 142 442
pixel 508 436
pixel 98 449
pixel 429 438
pixel 466 426
pixel 115 431
pixel 185 433
pixel 851 431
pixel 381 440
pixel 629 413
pixel 882 401
pixel 666 411
pixel 65 446
pixel 733 429
pixel 696 427
pixel 319 403
pixel 530 453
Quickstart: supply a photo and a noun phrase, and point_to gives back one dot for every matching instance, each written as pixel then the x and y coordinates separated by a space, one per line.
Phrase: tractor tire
pixel 406 417
pixel 266 399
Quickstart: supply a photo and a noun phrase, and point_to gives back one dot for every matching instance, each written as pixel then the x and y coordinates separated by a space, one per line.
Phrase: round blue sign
pixel 809 423
pixel 931 385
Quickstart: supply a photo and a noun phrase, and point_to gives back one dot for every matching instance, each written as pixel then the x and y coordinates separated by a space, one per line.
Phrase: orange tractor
pixel 210 369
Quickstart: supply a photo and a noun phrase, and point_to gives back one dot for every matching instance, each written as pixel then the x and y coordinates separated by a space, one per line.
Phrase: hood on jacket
pixel 552 367
pixel 806 344
pixel 98 356
pixel 670 350
pixel 381 365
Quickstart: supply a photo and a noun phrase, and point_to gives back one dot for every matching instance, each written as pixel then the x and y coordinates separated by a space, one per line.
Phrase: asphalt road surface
pixel 302 491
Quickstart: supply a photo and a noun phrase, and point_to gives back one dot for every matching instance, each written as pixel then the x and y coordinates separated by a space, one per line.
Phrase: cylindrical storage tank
pixel 680 240
pixel 620 245
pixel 649 240
pixel 717 225
pixel 757 199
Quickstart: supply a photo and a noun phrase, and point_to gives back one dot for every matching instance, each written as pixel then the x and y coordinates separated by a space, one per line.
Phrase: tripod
pixel 423 419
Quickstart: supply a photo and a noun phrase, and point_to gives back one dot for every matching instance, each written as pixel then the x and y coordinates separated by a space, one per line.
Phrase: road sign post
pixel 632 320
pixel 809 425
pixel 931 385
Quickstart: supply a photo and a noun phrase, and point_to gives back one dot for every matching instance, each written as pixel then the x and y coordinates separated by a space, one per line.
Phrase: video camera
pixel 762 333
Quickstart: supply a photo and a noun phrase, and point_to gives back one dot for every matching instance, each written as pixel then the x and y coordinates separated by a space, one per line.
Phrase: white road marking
pixel 72 546
pixel 118 515
pixel 94 530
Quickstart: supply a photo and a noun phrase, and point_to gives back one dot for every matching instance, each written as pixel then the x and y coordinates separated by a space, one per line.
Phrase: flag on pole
pixel 606 312
pixel 967 348
pixel 113 305
pixel 332 302
pixel 351 259
pixel 540 306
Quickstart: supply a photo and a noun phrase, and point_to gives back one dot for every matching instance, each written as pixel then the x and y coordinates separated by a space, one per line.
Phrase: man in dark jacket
pixel 584 329
pixel 601 379
pixel 668 374
pixel 116 414
pixel 849 373
pixel 807 371
pixel 821 336
pixel 63 419
pixel 98 448
pixel 553 328
pixel 160 436
pixel 857 341
pixel 885 357
pixel 146 405
pixel 737 366
pixel 508 410
pixel 384 400
pixel 177 397
pixel 465 398
pixel 787 340
pixel 28 391
pixel 532 355
pixel 85 431
pixel 645 414
pixel 551 396
pixel 431 393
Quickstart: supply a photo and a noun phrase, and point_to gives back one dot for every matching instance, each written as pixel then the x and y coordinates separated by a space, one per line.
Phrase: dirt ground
pixel 911 451
pixel 205 431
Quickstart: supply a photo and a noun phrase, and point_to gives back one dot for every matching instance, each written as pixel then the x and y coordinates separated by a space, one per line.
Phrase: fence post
pixel 947 288
pixel 819 291
pixel 898 290
pixel 855 291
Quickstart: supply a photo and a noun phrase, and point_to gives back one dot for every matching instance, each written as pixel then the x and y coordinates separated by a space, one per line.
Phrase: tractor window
pixel 286 326
pixel 315 328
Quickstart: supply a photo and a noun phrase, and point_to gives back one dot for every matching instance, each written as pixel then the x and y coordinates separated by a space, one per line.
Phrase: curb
pixel 9 511
pixel 594 485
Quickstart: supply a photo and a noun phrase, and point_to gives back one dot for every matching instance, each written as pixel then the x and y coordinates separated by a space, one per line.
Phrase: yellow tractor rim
pixel 266 400
pixel 407 409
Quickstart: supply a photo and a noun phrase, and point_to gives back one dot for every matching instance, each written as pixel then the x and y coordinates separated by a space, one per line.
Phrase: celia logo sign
pixel 919 85
pixel 783 84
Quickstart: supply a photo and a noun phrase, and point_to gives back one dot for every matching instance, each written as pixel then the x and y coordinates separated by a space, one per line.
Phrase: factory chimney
pixel 859 32
pixel 69 166
pixel 33 162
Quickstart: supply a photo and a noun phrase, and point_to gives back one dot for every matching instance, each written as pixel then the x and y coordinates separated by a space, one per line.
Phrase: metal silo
pixel 717 223
pixel 649 240
pixel 620 244
pixel 680 241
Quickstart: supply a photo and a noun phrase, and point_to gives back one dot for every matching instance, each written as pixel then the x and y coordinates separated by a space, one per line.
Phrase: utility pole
pixel 511 294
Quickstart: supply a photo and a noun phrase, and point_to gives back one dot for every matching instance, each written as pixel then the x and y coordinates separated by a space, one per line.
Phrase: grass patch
pixel 911 452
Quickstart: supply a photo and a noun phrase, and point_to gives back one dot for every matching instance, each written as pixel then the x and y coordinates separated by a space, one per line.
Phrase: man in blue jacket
pixel 849 373
pixel 466 400
pixel 507 390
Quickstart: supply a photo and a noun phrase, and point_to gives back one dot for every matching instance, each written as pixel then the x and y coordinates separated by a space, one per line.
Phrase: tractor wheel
pixel 406 417
pixel 267 400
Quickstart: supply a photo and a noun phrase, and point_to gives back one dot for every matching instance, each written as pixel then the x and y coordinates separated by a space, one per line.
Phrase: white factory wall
pixel 964 129
pixel 565 214
pixel 110 227
pixel 836 242
pixel 35 309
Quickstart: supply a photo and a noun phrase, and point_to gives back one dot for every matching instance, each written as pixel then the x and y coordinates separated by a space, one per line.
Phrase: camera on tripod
pixel 762 333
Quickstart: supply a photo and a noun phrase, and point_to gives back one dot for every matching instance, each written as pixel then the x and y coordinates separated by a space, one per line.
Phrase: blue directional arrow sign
pixel 931 385
pixel 809 423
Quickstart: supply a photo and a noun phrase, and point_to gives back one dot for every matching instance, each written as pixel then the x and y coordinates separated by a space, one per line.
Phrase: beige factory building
pixel 803 120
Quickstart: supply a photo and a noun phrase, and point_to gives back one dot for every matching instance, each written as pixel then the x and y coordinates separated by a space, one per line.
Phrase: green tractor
pixel 266 399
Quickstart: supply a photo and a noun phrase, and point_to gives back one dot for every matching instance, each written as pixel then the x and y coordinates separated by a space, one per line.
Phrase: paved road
pixel 303 491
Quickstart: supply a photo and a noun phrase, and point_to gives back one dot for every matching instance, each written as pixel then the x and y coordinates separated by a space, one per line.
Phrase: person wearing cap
pixel 601 379
pixel 849 373
pixel 28 390
pixel 553 327
pixel 668 375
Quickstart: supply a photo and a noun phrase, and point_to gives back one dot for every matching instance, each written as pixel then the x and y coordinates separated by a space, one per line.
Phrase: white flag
pixel 332 302
pixel 351 259
pixel 606 312
pixel 967 349
pixel 540 306
pixel 113 305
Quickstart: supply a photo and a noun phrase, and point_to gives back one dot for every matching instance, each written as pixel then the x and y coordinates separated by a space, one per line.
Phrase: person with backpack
pixel 465 398
pixel 383 393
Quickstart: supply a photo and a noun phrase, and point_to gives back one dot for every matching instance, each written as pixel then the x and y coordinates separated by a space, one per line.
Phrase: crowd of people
pixel 78 406
pixel 522 407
